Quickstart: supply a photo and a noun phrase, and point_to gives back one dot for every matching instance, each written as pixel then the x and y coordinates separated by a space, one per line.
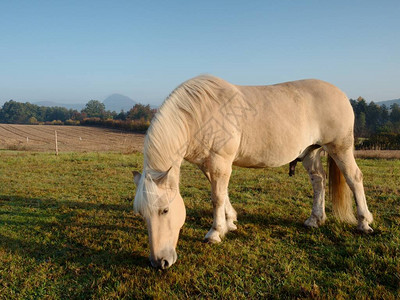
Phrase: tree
pixel 140 111
pixel 395 117
pixel 94 108
pixel 361 106
pixel 41 113
pixel 16 112
pixel 384 114
pixel 373 117
pixel 359 128
pixel 77 116
pixel 121 116
pixel 395 113
pixel 58 113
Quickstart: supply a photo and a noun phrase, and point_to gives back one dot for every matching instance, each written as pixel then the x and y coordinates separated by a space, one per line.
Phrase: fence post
pixel 55 132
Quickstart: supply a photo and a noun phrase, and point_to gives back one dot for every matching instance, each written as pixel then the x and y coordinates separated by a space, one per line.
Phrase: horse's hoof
pixel 232 227
pixel 211 241
pixel 365 228
pixel 311 223
pixel 212 237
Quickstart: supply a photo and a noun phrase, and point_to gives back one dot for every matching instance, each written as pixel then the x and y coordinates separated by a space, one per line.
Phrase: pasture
pixel 68 231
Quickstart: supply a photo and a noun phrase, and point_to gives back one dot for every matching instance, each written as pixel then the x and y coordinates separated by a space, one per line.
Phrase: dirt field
pixel 70 138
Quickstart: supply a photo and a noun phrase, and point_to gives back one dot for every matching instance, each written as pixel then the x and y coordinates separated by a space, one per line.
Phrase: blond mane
pixel 184 110
pixel 168 136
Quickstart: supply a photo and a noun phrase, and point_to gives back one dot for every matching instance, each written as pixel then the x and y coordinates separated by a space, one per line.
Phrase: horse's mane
pixel 183 111
pixel 168 136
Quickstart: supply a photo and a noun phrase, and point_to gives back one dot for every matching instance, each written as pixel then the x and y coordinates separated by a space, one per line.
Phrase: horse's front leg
pixel 231 215
pixel 220 172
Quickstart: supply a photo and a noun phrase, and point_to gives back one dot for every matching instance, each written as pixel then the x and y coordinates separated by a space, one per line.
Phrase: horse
pixel 215 124
pixel 292 167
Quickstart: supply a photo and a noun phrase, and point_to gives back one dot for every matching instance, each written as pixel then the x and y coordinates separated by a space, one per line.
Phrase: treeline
pixel 380 141
pixel 376 127
pixel 136 119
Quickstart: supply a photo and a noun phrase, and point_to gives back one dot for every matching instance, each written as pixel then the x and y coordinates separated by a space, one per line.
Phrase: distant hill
pixel 389 102
pixel 114 102
pixel 118 102
pixel 77 106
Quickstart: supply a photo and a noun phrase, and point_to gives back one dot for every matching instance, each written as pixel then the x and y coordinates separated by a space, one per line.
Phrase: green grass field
pixel 68 231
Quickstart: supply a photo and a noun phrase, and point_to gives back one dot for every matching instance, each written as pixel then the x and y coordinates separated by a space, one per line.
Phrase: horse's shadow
pixel 27 213
pixel 30 216
pixel 196 216
pixel 332 245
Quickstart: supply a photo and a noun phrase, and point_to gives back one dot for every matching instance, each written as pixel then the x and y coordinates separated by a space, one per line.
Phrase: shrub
pixel 72 122
pixel 54 122
pixel 33 121
pixel 130 125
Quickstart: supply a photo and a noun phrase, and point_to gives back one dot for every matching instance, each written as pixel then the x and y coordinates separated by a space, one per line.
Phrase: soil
pixel 70 138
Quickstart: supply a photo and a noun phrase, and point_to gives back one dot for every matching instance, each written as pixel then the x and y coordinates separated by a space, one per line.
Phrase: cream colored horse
pixel 215 125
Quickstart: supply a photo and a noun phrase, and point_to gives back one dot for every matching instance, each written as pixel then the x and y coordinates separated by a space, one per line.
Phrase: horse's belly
pixel 251 163
pixel 273 150
pixel 266 159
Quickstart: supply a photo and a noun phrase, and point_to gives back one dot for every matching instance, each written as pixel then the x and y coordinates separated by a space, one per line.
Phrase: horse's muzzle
pixel 167 259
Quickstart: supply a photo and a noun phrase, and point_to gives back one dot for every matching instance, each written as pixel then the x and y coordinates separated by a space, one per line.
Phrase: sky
pixel 75 51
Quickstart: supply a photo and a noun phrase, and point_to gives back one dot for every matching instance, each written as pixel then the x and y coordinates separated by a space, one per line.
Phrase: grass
pixel 67 231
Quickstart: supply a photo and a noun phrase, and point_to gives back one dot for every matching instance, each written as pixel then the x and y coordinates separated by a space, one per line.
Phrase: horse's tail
pixel 340 194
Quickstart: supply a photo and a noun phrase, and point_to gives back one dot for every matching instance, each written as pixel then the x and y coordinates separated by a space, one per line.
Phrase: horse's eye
pixel 164 211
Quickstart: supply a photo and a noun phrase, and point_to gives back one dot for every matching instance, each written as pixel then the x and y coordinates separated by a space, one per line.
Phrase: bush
pixel 129 125
pixel 33 121
pixel 72 122
pixel 54 122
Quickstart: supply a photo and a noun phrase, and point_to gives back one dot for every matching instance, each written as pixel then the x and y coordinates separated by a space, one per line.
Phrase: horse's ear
pixel 162 177
pixel 136 177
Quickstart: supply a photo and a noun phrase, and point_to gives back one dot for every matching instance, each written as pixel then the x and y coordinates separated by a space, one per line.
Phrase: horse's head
pixel 159 202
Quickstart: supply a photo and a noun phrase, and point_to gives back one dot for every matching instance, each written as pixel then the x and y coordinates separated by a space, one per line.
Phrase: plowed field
pixel 70 138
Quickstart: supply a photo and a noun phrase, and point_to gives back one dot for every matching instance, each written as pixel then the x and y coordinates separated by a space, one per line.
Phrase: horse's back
pixel 290 117
pixel 311 95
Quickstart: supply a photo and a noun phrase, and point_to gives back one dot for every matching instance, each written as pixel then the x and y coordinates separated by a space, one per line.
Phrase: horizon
pixel 73 52
pixel 38 102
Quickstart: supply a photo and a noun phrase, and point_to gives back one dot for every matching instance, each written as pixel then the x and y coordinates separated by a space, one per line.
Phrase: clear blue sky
pixel 74 51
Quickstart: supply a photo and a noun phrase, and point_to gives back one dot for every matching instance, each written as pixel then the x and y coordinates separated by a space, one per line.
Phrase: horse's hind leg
pixel 312 163
pixel 347 164
pixel 220 171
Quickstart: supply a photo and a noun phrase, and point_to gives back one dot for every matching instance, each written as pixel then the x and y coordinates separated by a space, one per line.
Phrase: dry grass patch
pixel 379 154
